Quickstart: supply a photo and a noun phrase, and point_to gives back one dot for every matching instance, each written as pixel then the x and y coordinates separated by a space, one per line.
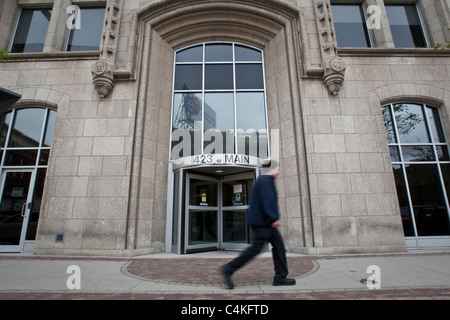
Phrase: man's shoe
pixel 226 278
pixel 283 282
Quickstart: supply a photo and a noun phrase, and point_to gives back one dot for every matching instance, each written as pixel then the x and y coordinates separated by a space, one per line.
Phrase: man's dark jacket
pixel 263 209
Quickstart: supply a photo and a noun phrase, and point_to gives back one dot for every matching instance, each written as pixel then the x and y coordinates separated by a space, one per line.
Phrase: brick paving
pixel 394 294
pixel 204 271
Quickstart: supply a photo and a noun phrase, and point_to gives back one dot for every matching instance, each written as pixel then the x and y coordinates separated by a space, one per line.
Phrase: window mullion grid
pixel 437 162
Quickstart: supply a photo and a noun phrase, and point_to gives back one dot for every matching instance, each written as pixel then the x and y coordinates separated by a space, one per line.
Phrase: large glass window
pixel 406 27
pixel 31 30
pixel 350 25
pixel 89 35
pixel 421 162
pixel 219 102
pixel 25 137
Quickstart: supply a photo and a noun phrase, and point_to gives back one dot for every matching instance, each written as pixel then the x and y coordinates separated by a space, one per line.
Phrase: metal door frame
pixel 25 212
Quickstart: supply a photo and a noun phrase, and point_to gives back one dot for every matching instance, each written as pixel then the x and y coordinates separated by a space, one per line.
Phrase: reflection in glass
pixel 429 207
pixel 405 25
pixel 27 128
pixel 218 52
pixel 89 36
pixel 350 26
pixel 193 54
pixel 31 30
pixel 247 54
pixel 250 107
pixel 388 124
pixel 418 153
pixel 395 155
pixel 411 123
pixel 202 227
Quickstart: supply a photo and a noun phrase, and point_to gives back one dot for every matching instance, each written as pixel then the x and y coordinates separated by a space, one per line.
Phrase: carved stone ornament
pixel 334 73
pixel 103 76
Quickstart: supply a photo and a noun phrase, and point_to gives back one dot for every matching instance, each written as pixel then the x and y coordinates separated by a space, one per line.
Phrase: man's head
pixel 273 170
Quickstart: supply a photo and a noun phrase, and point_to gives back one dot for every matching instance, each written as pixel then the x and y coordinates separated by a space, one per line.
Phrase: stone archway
pixel 164 27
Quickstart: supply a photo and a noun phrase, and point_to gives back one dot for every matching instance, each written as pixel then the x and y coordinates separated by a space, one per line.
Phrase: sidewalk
pixel 169 276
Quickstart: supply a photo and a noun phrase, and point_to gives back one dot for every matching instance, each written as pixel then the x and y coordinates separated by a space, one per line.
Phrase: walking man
pixel 263 217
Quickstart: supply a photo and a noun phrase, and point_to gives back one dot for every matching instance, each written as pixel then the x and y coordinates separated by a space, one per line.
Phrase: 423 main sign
pixel 220 159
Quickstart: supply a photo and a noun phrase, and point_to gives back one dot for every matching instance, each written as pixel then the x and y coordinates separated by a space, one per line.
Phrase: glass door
pixel 15 208
pixel 202 214
pixel 215 212
pixel 235 191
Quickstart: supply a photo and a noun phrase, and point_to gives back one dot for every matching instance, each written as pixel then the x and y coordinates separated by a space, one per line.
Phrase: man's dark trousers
pixel 262 235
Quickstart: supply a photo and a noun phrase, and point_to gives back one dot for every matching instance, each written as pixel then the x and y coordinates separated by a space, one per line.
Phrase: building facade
pixel 143 124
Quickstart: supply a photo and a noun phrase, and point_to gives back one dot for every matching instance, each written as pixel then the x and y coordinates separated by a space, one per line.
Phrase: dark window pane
pixel 45 153
pixel 194 54
pixel 219 76
pixel 249 76
pixel 418 153
pixel 430 212
pixel 15 194
pixel 188 77
pixel 202 227
pixel 25 157
pixel 27 128
pixel 411 123
pixel 405 210
pixel 89 36
pixel 442 152
pixel 36 204
pixel 31 31
pixel 247 54
pixel 350 26
pixel 445 168
pixel 218 52
pixel 405 26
